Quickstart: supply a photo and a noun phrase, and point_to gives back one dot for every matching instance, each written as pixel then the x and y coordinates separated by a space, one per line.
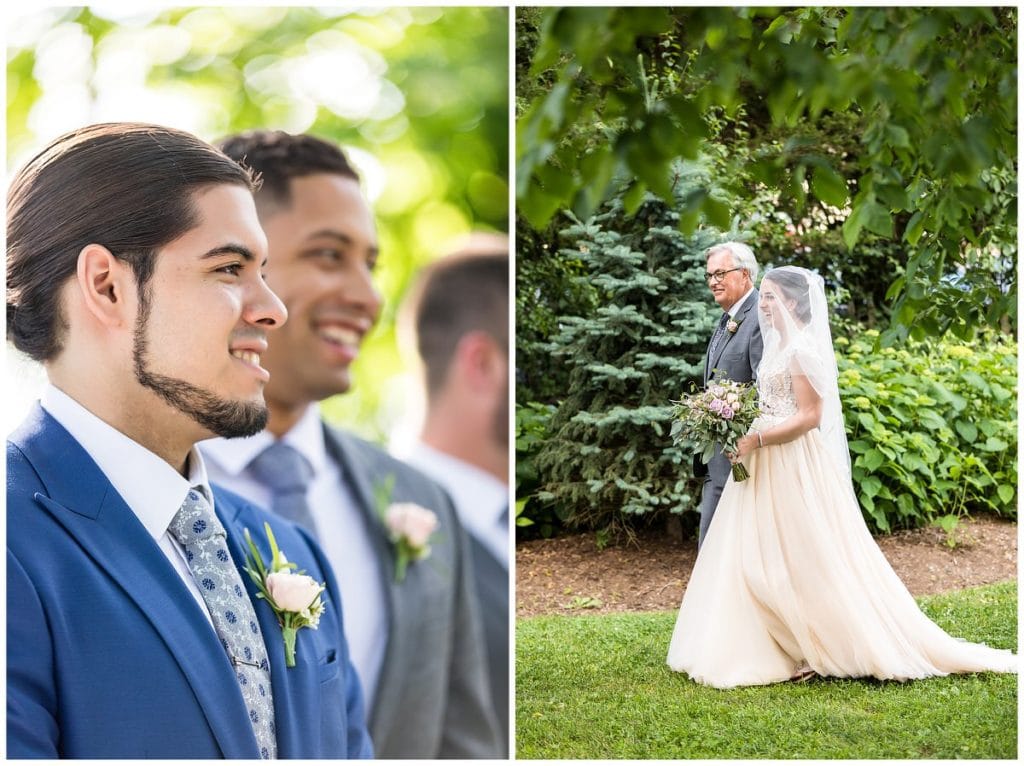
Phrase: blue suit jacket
pixel 109 655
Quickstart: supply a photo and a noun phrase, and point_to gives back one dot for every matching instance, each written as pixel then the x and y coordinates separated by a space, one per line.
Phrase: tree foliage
pixel 608 455
pixel 900 123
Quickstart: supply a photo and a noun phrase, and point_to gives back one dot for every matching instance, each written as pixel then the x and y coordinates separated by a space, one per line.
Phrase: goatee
pixel 223 417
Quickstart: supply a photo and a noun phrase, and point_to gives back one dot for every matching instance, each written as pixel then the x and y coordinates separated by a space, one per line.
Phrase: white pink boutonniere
pixel 294 596
pixel 410 528
pixel 732 326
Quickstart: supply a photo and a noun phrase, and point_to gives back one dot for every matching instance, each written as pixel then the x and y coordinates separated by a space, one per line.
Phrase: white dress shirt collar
pixel 150 486
pixel 736 306
pixel 307 436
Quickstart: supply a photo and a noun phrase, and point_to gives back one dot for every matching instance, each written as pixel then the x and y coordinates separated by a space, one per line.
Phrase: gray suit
pixel 433 697
pixel 736 358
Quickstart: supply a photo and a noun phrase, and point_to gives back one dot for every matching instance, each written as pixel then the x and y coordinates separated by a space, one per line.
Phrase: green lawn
pixel 598 687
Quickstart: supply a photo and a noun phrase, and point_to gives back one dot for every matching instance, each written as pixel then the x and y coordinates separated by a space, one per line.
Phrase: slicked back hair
pixel 129 187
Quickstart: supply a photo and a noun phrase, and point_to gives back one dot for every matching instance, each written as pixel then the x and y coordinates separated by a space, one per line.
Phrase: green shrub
pixel 932 427
pixel 534 518
pixel 932 430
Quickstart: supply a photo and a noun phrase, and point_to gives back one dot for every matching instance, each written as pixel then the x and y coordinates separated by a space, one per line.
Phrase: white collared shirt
pixel 147 483
pixel 734 309
pixel 341 530
pixel 479 497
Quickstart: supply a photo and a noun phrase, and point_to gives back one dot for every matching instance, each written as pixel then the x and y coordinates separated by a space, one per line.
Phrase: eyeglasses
pixel 719 275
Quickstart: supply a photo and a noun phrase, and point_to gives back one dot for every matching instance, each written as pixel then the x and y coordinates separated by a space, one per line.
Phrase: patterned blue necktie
pixel 286 473
pixel 205 542
pixel 716 339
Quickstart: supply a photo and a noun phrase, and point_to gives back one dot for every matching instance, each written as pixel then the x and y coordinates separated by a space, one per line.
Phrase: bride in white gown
pixel 789 581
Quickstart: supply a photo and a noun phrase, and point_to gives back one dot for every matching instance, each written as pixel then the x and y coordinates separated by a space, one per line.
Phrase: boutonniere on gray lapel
pixel 409 526
pixel 733 326
pixel 294 596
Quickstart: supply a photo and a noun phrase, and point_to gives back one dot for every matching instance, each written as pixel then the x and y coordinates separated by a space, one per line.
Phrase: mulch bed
pixel 569 575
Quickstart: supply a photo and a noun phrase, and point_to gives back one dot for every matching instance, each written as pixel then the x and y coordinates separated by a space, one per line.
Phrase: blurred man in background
pixel 457 313
pixel 413 624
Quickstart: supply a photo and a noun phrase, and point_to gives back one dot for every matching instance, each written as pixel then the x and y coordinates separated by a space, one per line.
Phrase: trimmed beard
pixel 223 417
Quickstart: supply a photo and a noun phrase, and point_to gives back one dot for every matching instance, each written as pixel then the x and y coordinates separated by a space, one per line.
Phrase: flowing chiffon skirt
pixel 789 576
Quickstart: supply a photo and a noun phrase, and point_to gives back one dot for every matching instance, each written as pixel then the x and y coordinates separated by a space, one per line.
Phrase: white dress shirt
pixel 148 484
pixel 341 530
pixel 479 496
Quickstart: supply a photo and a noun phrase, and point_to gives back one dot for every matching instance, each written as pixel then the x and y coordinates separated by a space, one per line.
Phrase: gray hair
pixel 742 257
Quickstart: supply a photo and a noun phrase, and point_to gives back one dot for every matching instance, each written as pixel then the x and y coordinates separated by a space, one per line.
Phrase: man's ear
pixel 103 282
pixel 476 352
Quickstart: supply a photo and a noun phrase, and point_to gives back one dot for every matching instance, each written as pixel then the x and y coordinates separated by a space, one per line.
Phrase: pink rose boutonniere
pixel 294 596
pixel 409 527
pixel 732 326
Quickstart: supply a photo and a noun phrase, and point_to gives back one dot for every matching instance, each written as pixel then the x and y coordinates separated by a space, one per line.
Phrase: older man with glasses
pixel 734 350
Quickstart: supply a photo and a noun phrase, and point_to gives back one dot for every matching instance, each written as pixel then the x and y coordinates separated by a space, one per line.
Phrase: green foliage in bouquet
pixel 608 460
pixel 716 419
pixel 932 428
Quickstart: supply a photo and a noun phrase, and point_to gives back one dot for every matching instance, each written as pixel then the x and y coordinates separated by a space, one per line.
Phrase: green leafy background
pixel 419 96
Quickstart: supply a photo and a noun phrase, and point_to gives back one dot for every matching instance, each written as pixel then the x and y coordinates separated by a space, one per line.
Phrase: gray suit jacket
pixel 739 353
pixel 736 358
pixel 432 699
pixel 492 591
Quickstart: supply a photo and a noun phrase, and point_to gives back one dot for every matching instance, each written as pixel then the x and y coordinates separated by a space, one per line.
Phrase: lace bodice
pixel 775 391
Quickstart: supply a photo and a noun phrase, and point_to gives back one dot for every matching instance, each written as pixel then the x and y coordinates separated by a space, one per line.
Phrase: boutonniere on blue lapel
pixel 409 526
pixel 294 596
pixel 733 326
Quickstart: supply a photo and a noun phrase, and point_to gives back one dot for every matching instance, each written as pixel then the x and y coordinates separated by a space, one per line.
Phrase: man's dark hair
pixel 278 157
pixel 454 296
pixel 126 186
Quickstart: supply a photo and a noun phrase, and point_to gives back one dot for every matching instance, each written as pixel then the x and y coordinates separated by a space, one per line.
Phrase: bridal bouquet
pixel 721 414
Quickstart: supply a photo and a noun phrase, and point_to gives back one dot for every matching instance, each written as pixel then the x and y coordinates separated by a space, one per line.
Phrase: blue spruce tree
pixel 610 463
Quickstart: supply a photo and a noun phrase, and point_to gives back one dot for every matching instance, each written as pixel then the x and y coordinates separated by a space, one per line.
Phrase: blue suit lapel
pixel 83 501
pixel 297 689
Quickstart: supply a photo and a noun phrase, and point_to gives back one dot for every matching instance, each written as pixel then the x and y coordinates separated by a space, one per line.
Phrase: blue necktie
pixel 716 339
pixel 286 473
pixel 204 540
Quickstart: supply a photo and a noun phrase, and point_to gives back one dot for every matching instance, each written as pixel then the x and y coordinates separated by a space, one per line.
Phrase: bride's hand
pixel 745 446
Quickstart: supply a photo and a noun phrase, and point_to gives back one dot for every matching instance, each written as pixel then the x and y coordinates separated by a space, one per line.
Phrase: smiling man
pixel 417 640
pixel 135 275
pixel 734 351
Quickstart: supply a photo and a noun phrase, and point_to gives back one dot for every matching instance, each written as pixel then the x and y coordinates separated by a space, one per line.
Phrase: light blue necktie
pixel 205 542
pixel 286 473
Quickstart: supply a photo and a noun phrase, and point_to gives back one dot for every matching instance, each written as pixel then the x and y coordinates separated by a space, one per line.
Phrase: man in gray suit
pixel 464 442
pixel 734 351
pixel 415 631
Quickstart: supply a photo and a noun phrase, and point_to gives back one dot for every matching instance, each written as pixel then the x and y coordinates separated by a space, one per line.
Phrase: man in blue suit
pixel 134 274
